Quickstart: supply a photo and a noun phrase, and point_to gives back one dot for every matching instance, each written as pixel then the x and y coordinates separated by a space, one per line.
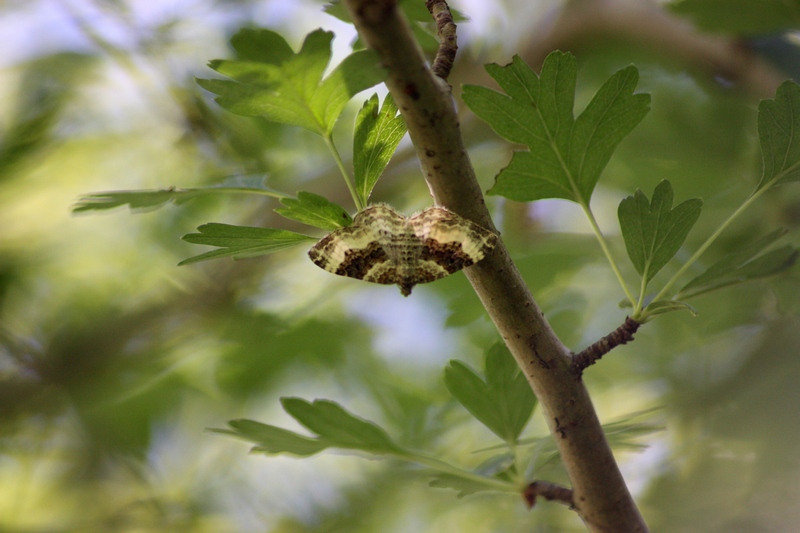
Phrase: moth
pixel 384 246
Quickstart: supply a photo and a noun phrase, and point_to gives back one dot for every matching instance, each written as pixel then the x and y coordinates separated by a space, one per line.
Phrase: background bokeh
pixel 113 360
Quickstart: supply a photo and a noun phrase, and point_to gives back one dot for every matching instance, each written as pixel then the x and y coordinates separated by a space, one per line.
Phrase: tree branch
pixel 548 491
pixel 647 26
pixel 448 43
pixel 591 354
pixel 600 495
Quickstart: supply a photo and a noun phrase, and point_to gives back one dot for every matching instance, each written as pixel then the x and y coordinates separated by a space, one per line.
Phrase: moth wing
pixel 334 250
pixel 364 249
pixel 452 241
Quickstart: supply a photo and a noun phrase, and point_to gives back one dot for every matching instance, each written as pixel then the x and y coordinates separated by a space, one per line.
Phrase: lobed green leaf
pixel 652 230
pixel 779 133
pixel 147 200
pixel 338 427
pixel 284 87
pixel 315 210
pixel 273 440
pixel 376 137
pixel 503 402
pixel 262 46
pixel 241 242
pixel 565 156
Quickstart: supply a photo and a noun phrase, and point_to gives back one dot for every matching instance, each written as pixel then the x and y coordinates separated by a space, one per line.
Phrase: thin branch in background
pixel 448 44
pixel 548 491
pixel 591 354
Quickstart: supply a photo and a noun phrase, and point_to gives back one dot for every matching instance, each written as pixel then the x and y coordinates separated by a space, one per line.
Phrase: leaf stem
pixel 350 185
pixel 238 190
pixel 604 245
pixel 447 468
pixel 722 227
pixel 642 294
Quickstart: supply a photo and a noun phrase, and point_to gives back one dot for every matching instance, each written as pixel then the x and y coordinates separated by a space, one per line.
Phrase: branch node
pixel 548 491
pixel 448 45
pixel 591 354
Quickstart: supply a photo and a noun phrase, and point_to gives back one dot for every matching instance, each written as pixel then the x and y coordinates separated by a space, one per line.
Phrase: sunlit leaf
pixel 740 17
pixel 503 402
pixel 566 156
pixel 240 242
pixel 262 46
pixel 779 133
pixel 147 200
pixel 744 264
pixel 315 210
pixel 288 88
pixel 271 439
pixel 338 427
pixel 376 138
pixel 653 231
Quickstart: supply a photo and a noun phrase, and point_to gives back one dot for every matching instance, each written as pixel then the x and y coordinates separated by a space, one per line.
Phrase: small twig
pixel 589 356
pixel 548 491
pixel 446 28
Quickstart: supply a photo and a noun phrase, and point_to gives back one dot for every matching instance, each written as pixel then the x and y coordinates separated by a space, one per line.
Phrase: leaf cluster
pixel 500 399
pixel 565 157
pixel 269 80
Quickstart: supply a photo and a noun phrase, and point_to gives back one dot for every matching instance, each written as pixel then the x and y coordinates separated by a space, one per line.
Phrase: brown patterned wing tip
pixel 451 240
pixel 352 251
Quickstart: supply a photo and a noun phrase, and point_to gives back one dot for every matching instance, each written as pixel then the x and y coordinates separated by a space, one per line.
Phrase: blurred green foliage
pixel 113 360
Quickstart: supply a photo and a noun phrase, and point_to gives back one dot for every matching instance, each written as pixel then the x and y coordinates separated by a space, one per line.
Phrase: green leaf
pixel 241 242
pixel 463 485
pixel 375 140
pixel 653 231
pixel 338 427
pixel 148 200
pixel 262 46
pixel 566 156
pixel 315 210
pixel 667 306
pixel 288 88
pixel 493 468
pixel 744 264
pixel 503 402
pixel 779 132
pixel 271 439
pixel 622 434
pixel 739 17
